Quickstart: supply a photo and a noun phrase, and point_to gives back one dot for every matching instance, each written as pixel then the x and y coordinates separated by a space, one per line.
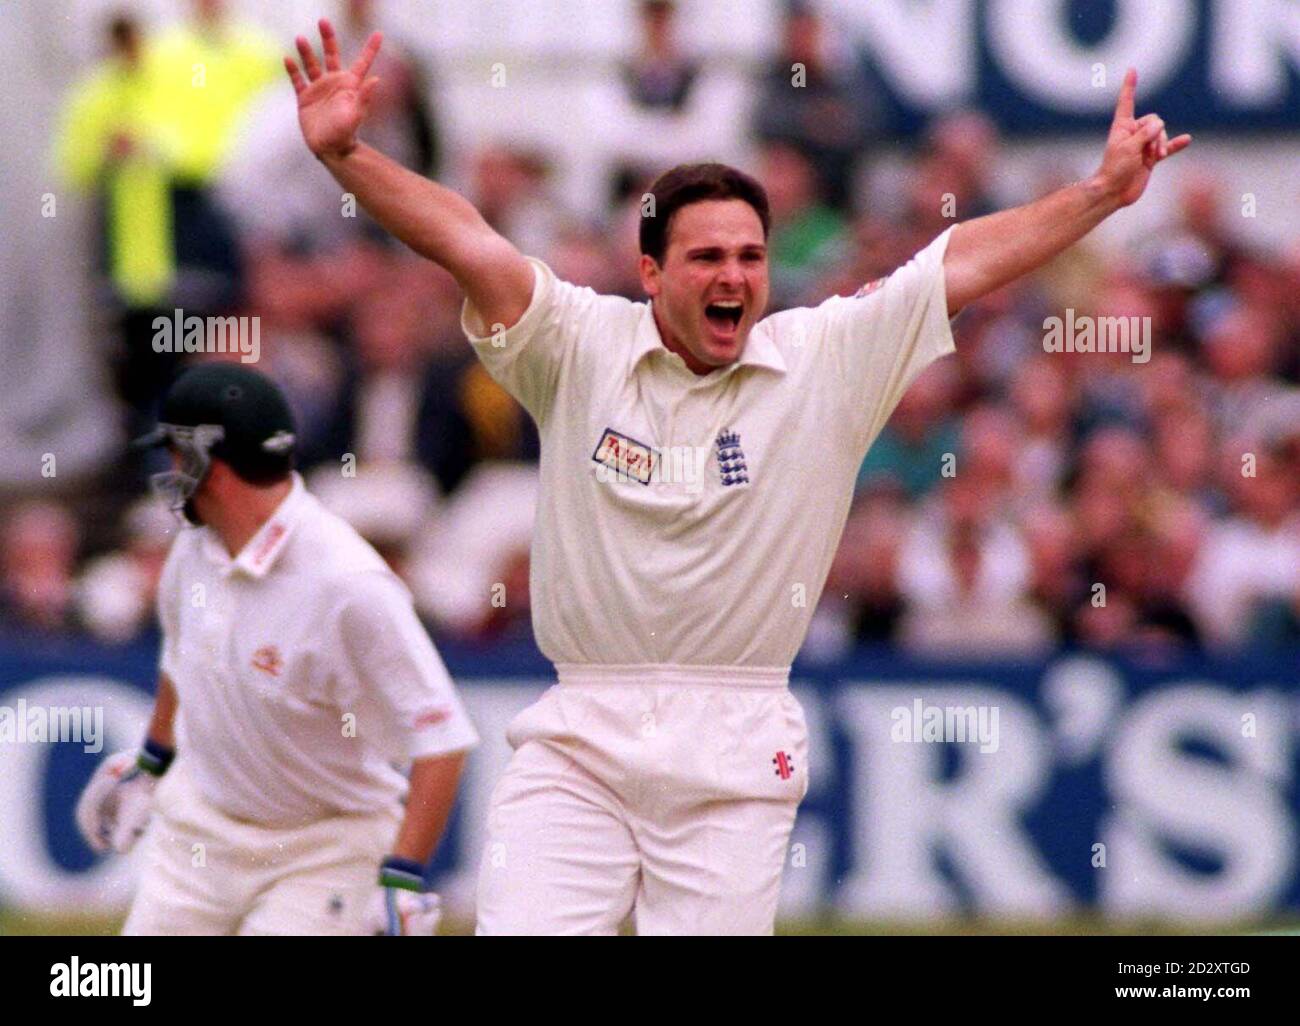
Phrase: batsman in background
pixel 295 676
pixel 661 775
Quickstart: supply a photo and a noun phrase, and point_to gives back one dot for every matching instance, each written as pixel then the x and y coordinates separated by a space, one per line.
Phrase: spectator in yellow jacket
pixel 114 138
pixel 208 71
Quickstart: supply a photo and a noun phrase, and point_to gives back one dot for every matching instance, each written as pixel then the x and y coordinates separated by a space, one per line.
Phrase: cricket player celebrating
pixel 661 775
pixel 300 674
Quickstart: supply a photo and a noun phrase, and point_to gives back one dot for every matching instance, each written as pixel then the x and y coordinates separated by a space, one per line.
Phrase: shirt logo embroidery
pixel 869 288
pixel 784 765
pixel 432 717
pixel 264 550
pixel 627 457
pixel 267 659
pixel 731 458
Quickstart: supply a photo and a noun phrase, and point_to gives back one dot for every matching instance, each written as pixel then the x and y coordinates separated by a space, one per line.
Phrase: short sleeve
pixel 880 340
pixel 528 358
pixel 389 674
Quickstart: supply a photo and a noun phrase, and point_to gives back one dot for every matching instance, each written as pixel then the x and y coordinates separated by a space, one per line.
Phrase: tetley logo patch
pixel 627 457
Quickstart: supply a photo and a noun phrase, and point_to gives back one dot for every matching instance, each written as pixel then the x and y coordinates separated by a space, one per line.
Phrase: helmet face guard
pixel 193 447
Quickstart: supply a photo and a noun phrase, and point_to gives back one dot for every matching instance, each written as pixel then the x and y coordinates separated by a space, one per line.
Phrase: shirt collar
pixel 262 550
pixel 760 350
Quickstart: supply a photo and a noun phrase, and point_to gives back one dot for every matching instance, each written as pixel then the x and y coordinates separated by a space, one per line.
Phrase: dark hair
pixel 123 30
pixel 692 183
pixel 281 469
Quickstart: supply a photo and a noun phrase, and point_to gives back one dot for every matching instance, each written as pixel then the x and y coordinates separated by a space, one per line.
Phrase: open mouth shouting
pixel 724 317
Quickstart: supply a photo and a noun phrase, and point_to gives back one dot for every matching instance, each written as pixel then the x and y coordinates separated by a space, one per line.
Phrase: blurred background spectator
pixel 117 591
pixel 1016 500
pixel 147 133
pixel 807 236
pixel 659 76
pixel 38 551
pixel 816 100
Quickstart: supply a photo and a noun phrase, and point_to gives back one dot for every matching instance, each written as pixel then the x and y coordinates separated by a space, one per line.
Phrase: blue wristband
pixel 154 758
pixel 404 874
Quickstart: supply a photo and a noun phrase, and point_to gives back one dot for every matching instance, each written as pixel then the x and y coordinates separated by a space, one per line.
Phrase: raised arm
pixel 989 252
pixel 435 221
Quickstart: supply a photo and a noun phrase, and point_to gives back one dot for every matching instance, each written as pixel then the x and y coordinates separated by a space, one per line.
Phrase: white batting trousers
pixel 204 873
pixel 665 793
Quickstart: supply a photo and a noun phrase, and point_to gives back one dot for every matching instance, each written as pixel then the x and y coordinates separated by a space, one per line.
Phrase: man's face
pixel 201 502
pixel 209 10
pixel 713 285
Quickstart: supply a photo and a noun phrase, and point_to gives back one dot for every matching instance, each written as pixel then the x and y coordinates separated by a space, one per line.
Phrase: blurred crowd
pixel 1018 500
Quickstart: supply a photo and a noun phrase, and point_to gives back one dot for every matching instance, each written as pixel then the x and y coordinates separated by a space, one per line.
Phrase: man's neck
pixel 237 524
pixel 673 345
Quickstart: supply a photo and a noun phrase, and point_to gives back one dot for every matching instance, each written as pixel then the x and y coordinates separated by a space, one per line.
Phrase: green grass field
pixel 16 924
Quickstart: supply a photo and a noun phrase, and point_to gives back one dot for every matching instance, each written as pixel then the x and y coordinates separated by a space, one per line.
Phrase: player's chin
pixel 721 347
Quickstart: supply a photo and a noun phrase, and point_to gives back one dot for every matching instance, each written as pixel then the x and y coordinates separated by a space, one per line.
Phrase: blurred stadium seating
pixel 1174 485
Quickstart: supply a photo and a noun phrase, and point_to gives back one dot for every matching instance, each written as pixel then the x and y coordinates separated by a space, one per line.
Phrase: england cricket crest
pixel 732 467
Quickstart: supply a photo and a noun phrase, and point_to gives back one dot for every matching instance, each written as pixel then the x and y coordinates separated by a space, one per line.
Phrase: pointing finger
pixel 1127 92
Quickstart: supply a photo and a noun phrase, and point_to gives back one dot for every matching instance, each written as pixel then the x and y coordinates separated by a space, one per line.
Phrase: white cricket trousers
pixel 202 872
pixel 664 792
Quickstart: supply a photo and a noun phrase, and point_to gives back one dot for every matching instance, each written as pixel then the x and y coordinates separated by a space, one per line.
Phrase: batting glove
pixel 114 809
pixel 403 907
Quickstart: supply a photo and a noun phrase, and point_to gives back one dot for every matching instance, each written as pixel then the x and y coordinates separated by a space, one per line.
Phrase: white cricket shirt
pixel 636 559
pixel 302 671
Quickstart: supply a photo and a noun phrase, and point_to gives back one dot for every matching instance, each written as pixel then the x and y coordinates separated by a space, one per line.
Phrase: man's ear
pixel 650 275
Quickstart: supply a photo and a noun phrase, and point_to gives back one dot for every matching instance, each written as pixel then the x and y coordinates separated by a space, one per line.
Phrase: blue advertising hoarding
pixel 1078 784
pixel 1056 65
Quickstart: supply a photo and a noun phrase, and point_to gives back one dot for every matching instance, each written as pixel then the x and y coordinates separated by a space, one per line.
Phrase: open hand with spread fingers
pixel 1134 147
pixel 332 103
